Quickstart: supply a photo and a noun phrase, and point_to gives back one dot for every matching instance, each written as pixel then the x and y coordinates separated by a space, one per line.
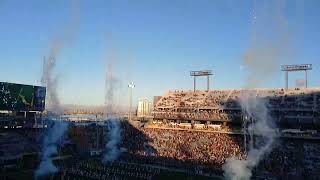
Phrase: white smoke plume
pixel 114 139
pixel 270 43
pixel 113 123
pixel 269 48
pixel 49 79
pixel 110 87
pixel 261 137
pixel 49 149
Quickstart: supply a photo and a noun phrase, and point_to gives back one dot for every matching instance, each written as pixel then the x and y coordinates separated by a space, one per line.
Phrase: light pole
pixel 131 86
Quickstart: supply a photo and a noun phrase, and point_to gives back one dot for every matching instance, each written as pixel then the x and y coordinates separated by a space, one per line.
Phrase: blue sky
pixel 153 43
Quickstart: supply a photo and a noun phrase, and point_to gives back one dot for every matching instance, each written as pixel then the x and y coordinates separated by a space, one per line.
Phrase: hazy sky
pixel 154 43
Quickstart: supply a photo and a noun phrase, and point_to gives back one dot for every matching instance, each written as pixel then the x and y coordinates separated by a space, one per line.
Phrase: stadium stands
pixel 294 107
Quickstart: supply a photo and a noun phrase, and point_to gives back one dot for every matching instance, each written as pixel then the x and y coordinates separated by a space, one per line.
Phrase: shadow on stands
pixel 186 151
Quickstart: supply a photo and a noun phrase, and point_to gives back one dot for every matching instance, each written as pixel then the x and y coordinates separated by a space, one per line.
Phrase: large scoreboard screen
pixel 20 97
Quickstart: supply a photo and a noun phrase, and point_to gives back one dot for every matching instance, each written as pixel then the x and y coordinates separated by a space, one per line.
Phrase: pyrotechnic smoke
pixel 50 143
pixel 270 46
pixel 113 123
pixel 109 85
pixel 49 79
pixel 262 136
pixel 114 138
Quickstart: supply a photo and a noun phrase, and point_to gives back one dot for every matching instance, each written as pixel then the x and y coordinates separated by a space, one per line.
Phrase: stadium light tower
pixel 300 67
pixel 131 86
pixel 195 74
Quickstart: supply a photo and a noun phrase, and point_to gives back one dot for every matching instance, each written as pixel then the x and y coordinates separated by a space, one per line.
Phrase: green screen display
pixel 18 97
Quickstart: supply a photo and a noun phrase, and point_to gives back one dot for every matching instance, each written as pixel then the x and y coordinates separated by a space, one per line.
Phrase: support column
pixel 97 132
pixel 130 104
pixel 194 83
pixel 306 79
pixel 286 79
pixel 208 83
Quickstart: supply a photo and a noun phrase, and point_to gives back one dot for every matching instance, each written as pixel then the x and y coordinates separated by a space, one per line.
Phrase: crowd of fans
pixel 204 115
pixel 205 152
pixel 291 159
pixel 182 149
pixel 146 152
pixel 94 169
pixel 226 104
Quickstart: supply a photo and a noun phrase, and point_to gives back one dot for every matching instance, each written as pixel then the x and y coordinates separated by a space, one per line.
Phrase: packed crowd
pixel 206 152
pixel 225 104
pixel 148 153
pixel 182 149
pixel 201 99
pixel 292 159
pixel 199 115
pixel 201 127
pixel 94 169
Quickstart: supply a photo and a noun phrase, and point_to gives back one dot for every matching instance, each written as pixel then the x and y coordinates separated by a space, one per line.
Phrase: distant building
pixel 144 108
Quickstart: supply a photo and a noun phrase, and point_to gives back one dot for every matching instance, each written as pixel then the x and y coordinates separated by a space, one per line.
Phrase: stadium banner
pixel 19 97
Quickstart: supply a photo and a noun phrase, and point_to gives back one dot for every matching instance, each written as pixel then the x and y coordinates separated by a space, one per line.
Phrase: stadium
pixel 85 113
pixel 191 134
